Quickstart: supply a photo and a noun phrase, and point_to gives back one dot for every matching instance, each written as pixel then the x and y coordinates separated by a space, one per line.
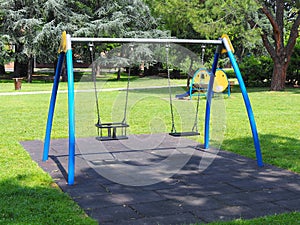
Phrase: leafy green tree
pixel 192 19
pixel 5 47
pixel 173 16
pixel 293 75
pixel 251 24
pixel 20 23
pixel 275 22
pixel 57 16
pixel 23 22
pixel 5 51
pixel 35 27
pixel 120 18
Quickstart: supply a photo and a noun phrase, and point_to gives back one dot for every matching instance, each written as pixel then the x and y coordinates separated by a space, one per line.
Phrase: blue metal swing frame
pixel 222 44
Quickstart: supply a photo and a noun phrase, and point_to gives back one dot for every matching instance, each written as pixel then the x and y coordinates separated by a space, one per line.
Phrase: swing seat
pixel 111 125
pixel 108 138
pixel 111 131
pixel 184 134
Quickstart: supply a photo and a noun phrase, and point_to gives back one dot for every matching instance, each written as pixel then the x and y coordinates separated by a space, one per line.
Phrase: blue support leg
pixel 209 97
pixel 71 107
pixel 248 107
pixel 52 105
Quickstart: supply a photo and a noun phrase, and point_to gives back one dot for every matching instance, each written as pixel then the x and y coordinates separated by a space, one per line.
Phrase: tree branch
pixel 276 28
pixel 264 37
pixel 280 19
pixel 270 17
pixel 294 34
pixel 268 45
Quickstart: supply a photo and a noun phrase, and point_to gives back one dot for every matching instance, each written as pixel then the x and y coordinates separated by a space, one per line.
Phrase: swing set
pixel 117 130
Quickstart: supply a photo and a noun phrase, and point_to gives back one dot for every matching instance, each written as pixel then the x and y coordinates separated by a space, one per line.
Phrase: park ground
pixel 33 196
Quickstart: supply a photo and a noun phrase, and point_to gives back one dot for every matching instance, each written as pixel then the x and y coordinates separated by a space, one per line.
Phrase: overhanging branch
pixel 268 45
pixel 264 37
pixel 270 17
pixel 294 34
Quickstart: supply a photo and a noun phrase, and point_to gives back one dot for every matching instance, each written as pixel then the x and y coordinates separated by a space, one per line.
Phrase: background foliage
pixel 34 27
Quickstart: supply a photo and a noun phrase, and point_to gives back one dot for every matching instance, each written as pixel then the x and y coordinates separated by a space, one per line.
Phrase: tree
pixel 293 75
pixel 20 23
pixel 280 51
pixel 173 16
pixel 5 47
pixel 121 18
pixel 6 52
pixel 35 27
pixel 275 21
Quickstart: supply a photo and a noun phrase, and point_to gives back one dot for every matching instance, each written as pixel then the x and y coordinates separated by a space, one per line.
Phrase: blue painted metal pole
pixel 209 97
pixel 52 105
pixel 71 106
pixel 247 103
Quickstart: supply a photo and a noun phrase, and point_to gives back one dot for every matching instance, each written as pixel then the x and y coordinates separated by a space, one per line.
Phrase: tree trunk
pixel 119 74
pixel 30 69
pixel 20 69
pixel 2 69
pixel 20 65
pixel 64 75
pixel 280 54
pixel 279 74
pixel 98 69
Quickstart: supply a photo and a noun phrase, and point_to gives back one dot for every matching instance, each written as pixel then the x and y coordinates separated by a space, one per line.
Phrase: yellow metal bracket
pixel 63 43
pixel 225 36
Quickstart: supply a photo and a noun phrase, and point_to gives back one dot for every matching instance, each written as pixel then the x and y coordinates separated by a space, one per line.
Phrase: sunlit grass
pixel 28 195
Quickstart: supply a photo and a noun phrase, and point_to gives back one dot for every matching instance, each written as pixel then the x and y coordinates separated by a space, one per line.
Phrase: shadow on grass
pixel 276 150
pixel 236 89
pixel 21 204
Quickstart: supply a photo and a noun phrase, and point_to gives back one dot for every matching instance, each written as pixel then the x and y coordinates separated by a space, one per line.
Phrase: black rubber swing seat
pixel 184 134
pixel 112 131
pixel 111 138
pixel 111 125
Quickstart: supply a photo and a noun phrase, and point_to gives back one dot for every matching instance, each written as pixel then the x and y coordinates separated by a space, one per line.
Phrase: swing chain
pixel 91 48
pixel 127 88
pixel 195 126
pixel 173 130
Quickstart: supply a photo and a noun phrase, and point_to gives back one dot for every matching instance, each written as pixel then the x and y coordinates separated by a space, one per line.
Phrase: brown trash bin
pixel 18 83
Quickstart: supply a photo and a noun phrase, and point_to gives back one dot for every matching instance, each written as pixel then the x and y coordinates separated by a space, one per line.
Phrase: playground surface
pixel 231 187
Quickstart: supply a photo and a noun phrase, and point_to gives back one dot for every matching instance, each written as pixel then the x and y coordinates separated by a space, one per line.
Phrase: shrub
pixel 257 71
pixel 293 73
pixel 230 73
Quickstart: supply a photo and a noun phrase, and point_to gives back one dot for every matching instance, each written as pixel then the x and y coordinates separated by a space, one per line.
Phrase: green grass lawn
pixel 108 81
pixel 277 115
pixel 29 196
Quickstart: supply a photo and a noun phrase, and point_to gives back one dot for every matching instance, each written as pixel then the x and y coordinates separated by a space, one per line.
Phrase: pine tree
pixel 21 22
pixel 4 47
pixel 35 26
pixel 119 18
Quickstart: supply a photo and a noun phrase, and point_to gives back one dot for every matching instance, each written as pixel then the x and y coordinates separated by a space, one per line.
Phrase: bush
pixel 257 71
pixel 293 73
pixel 230 73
